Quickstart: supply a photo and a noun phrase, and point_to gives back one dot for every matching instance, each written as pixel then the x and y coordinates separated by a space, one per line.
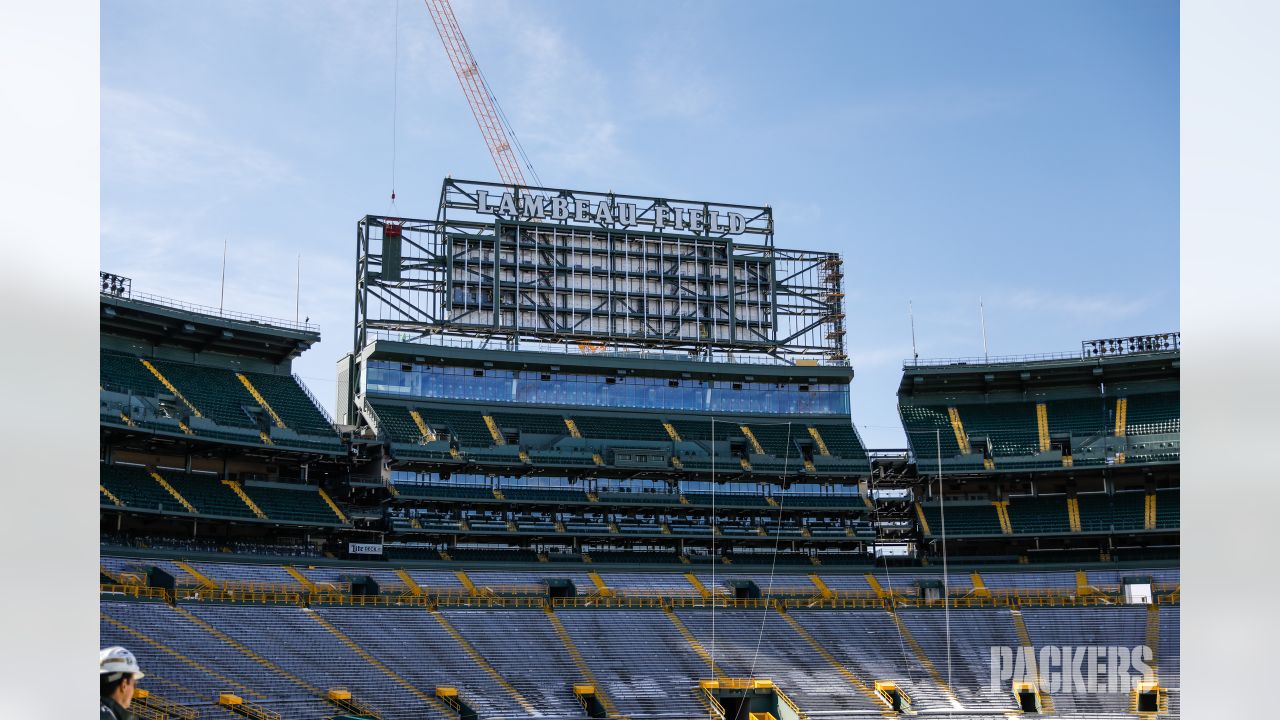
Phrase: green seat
pixel 135 487
pixel 302 505
pixel 1120 512
pixel 1011 427
pixel 700 430
pixel 1168 509
pixel 1039 515
pixel 208 494
pixel 1081 417
pixel 217 393
pixel 1152 414
pixel 963 519
pixel 121 372
pixel 635 427
pixel 292 403
pixel 927 426
pixel 396 422
pixel 841 440
pixel 466 425
pixel 776 440
pixel 531 423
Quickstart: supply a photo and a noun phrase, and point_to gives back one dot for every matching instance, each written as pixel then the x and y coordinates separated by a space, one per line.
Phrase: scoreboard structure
pixel 526 268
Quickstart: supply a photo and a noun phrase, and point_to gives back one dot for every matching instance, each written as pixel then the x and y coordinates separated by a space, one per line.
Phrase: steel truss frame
pixel 489 281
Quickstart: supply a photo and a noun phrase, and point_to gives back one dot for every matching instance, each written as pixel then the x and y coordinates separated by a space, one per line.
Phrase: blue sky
pixel 1024 153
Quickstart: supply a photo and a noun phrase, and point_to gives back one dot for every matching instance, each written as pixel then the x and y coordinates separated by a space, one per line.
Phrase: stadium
pixel 594 457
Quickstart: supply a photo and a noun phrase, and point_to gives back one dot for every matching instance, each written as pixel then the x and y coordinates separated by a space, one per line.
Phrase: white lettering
pixel 660 215
pixel 559 208
pixel 1019 665
pixel 1001 665
pixel 535 206
pixel 1051 656
pixel 713 223
pixel 1117 669
pixel 737 223
pixel 1095 668
pixel 1140 656
pixel 1076 678
pixel 603 216
pixel 507 208
pixel 608 212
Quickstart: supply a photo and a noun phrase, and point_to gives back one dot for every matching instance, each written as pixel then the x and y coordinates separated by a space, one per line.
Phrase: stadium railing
pixel 1163 594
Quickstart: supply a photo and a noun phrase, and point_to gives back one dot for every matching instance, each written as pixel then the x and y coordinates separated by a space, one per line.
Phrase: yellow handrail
pixel 134 591
pixel 858 599
pixel 170 387
pixel 248 385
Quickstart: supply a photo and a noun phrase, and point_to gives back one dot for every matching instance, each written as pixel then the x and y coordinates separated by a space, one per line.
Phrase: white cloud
pixel 353 36
pixel 1076 306
pixel 554 96
pixel 155 139
pixel 169 174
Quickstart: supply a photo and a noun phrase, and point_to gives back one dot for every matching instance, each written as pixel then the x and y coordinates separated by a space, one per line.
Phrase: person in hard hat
pixel 118 674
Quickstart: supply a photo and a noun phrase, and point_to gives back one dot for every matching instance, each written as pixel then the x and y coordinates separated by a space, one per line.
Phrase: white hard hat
pixel 118 660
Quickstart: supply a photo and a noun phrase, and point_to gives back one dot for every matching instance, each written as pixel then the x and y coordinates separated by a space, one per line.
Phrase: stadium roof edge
pixel 1008 375
pixel 1126 346
pixel 1037 360
pixel 173 323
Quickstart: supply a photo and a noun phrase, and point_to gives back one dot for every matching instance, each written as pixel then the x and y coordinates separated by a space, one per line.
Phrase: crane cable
pixel 714 561
pixel 773 563
pixel 907 662
pixel 395 103
pixel 511 132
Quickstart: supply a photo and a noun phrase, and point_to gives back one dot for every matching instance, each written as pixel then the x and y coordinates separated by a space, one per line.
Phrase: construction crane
pixel 498 134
